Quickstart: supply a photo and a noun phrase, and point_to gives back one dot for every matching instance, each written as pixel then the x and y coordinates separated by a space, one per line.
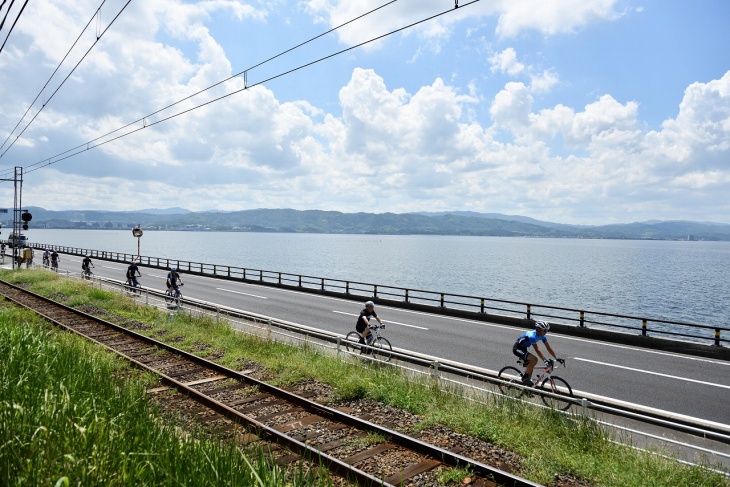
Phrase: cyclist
pixel 363 322
pixel 54 260
pixel 86 265
pixel 46 258
pixel 132 274
pixel 530 339
pixel 172 278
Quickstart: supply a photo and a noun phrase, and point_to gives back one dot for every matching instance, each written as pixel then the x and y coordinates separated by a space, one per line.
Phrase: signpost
pixel 137 232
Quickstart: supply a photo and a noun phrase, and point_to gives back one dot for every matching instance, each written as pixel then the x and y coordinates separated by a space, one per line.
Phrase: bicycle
pixel 173 295
pixel 54 265
pixel 546 382
pixel 133 286
pixel 379 347
pixel 86 273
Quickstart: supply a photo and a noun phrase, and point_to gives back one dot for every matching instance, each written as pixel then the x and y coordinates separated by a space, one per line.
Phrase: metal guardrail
pixel 439 367
pixel 435 301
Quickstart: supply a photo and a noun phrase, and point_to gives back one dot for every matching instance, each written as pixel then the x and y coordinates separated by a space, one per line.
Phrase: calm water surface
pixel 682 281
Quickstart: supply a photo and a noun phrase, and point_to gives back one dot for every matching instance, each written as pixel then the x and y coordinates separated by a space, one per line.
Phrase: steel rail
pixel 444 456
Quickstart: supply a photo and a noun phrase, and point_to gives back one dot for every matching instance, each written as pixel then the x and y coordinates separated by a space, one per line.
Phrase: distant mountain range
pixel 318 221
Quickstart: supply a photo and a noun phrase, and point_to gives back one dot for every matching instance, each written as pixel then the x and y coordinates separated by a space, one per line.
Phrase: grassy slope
pixel 547 442
pixel 63 422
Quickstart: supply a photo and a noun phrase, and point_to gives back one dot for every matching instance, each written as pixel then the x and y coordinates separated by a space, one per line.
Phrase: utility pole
pixel 17 209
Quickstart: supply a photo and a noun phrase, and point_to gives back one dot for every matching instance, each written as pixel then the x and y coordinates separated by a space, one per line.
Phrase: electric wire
pixel 52 75
pixel 143 119
pixel 87 146
pixel 98 37
pixel 13 26
pixel 10 7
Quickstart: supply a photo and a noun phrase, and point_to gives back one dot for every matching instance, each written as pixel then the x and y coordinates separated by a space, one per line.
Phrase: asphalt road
pixel 681 384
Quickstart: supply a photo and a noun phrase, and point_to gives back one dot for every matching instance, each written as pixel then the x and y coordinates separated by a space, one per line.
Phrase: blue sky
pixel 572 111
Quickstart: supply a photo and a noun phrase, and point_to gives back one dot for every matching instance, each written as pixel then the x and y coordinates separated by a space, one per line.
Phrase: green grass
pixel 63 422
pixel 547 443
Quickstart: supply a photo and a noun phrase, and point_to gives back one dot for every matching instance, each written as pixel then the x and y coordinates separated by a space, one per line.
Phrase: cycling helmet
pixel 369 304
pixel 542 325
pixel 173 269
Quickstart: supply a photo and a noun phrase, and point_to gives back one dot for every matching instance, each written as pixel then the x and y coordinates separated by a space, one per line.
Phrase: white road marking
pixel 239 292
pixel 384 321
pixel 110 267
pixel 653 373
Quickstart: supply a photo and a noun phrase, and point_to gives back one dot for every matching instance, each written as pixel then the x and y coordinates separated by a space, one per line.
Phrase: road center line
pixel 384 321
pixel 654 373
pixel 110 267
pixel 239 292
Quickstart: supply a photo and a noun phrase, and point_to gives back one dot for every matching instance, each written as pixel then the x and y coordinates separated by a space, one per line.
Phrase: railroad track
pixel 302 428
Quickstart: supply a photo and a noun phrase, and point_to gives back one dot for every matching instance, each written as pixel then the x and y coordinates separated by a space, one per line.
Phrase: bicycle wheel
pixel 168 298
pixel 352 342
pixel 510 376
pixel 556 385
pixel 383 351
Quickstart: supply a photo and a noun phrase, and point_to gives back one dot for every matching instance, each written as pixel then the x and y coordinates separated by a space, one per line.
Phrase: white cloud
pixel 506 62
pixel 514 16
pixel 551 18
pixel 382 148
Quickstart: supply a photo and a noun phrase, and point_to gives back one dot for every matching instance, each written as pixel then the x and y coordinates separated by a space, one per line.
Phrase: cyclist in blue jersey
pixel 530 339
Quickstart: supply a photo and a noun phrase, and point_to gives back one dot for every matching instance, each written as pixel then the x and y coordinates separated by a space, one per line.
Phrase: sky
pixel 572 111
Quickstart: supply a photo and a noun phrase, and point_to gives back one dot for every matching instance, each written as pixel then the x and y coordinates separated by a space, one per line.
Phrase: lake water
pixel 678 281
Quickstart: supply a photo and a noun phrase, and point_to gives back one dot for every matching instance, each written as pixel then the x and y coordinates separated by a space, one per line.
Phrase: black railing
pixel 438 301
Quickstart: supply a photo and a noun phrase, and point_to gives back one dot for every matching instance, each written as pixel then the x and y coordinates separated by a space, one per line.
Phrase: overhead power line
pixel 10 7
pixel 98 37
pixel 13 26
pixel 143 119
pixel 52 75
pixel 94 142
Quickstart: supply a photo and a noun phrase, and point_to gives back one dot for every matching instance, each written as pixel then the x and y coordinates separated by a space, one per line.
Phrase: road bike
pixel 546 382
pixel 133 286
pixel 86 273
pixel 173 295
pixel 378 347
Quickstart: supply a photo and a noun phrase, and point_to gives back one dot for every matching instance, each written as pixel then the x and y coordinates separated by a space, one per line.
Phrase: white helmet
pixel 369 304
pixel 542 325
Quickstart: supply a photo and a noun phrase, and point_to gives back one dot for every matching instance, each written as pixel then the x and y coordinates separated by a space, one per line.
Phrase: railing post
pixel 717 337
pixel 347 287
pixel 643 327
pixel 322 285
pixel 442 300
pixel 300 281
pixel 406 295
pixel 215 270
pixel 582 319
pixel 280 279
pixel 435 367
pixel 244 273
pixel 261 276
pixel 375 291
pixel 229 271
pixel 529 311
pixel 481 307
